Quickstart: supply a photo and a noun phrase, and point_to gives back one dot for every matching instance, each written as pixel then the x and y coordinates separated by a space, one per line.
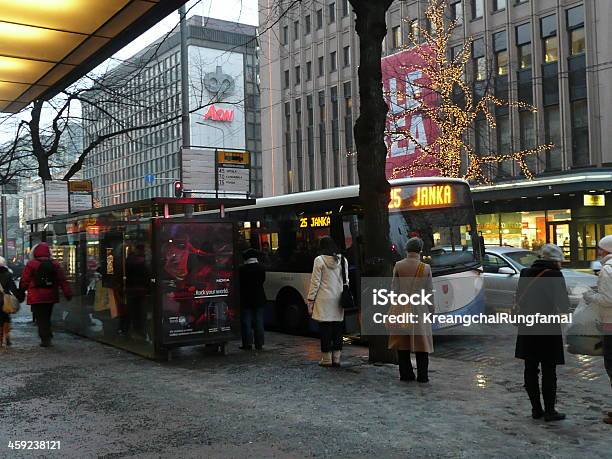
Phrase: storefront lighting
pixel 247 225
pixel 523 197
pixel 557 194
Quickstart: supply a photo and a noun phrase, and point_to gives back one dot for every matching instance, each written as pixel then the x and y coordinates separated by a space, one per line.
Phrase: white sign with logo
pixel 216 78
pixel 56 197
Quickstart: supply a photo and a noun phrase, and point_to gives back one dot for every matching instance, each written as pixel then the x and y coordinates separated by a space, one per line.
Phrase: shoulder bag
pixel 346 300
pixel 10 303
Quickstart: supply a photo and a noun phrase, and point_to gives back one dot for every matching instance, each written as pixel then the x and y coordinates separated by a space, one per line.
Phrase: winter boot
pixel 536 404
pixel 326 359
pixel 422 360
pixel 336 358
pixel 550 398
pixel 6 333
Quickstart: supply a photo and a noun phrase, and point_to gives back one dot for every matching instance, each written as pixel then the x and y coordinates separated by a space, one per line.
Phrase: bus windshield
pixel 448 236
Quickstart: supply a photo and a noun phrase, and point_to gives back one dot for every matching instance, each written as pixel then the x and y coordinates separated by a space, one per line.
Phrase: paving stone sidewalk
pixel 103 402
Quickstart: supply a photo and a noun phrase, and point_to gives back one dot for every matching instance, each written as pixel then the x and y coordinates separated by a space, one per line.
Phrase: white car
pixel 502 268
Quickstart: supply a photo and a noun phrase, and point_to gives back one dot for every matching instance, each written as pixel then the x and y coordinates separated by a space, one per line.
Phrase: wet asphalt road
pixel 103 402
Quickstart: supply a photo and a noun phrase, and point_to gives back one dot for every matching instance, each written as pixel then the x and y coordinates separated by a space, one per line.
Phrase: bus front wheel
pixel 292 314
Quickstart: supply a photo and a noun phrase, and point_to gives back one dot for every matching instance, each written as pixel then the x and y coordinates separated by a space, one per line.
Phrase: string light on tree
pixel 454 109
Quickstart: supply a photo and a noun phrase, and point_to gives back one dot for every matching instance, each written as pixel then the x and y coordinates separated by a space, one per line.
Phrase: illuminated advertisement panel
pixel 196 278
pixel 405 88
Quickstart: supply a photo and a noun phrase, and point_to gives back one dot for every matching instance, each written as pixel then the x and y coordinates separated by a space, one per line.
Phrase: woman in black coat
pixel 542 289
pixel 8 285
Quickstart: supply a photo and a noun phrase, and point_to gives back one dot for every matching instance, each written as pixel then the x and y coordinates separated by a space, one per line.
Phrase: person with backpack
pixel 8 288
pixel 42 278
pixel 324 295
pixel 542 289
pixel 411 276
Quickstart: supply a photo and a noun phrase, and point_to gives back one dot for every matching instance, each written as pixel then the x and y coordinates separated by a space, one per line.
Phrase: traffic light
pixel 178 189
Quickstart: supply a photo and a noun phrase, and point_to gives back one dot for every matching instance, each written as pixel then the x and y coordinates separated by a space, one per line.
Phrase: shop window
pixel 511 229
pixel 488 226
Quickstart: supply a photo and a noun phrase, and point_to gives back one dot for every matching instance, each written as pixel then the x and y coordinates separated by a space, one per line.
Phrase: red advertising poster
pixel 195 271
pixel 406 88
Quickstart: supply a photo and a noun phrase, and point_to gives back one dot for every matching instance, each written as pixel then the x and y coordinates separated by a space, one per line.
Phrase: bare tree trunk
pixel 372 151
pixel 369 134
pixel 38 150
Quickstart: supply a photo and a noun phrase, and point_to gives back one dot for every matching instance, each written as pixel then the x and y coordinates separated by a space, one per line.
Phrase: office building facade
pixel 552 54
pixel 146 162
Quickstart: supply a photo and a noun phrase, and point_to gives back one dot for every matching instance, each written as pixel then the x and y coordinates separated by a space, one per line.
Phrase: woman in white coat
pixel 324 294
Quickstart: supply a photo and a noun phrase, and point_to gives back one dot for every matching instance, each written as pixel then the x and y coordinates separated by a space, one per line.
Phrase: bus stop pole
pixel 4 228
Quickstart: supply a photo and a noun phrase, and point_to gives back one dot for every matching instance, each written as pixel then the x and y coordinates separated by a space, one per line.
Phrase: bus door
pixel 352 253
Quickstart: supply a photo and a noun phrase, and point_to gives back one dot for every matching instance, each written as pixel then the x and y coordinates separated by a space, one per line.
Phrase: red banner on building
pixel 406 88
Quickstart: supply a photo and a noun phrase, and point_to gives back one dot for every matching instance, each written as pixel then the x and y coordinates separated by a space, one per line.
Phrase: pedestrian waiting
pixel 602 300
pixel 411 275
pixel 252 300
pixel 9 289
pixel 42 278
pixel 542 289
pixel 324 294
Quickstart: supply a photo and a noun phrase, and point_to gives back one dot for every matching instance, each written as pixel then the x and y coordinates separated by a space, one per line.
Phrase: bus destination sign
pixel 426 197
pixel 316 221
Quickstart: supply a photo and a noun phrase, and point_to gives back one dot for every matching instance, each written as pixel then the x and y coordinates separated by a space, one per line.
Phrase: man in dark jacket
pixel 41 279
pixel 252 300
pixel 542 289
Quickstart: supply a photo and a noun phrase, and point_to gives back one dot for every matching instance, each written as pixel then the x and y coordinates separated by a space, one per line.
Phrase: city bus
pixel 286 230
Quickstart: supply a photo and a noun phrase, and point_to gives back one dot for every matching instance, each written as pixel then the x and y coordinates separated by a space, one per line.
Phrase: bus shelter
pixel 146 277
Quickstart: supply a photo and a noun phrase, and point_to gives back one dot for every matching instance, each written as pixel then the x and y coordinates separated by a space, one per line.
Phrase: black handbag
pixel 346 300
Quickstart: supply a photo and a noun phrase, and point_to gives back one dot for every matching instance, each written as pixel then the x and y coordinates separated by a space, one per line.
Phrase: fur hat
pixel 605 243
pixel 414 245
pixel 551 252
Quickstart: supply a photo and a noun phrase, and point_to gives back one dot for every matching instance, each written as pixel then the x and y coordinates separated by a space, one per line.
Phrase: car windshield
pixel 447 235
pixel 524 258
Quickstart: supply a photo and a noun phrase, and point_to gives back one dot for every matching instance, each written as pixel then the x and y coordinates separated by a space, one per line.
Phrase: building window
pixel 321 69
pixel 504 144
pixel 550 41
pixel 332 13
pixel 500 48
pixel 499 5
pixel 310 139
pixel 575 27
pixel 308 71
pixel 322 139
pixel 347 56
pixel 477 8
pixel 298 74
pixel 319 19
pixel 348 116
pixel 457 12
pixel 345 8
pixel 413 31
pixel 396 37
pixel 333 61
pixel 523 43
pixel 285 35
pixel 479 61
pixel 296 30
pixel 552 133
pixel 286 78
pixel 580 133
pixel 307 24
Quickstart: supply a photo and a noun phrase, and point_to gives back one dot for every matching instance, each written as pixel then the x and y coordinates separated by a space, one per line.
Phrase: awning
pixel 46 45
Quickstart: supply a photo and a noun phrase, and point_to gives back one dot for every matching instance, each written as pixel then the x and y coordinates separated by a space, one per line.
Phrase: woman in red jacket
pixel 42 278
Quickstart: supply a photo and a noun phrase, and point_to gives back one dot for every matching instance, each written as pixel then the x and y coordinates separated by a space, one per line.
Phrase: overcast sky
pixel 244 11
